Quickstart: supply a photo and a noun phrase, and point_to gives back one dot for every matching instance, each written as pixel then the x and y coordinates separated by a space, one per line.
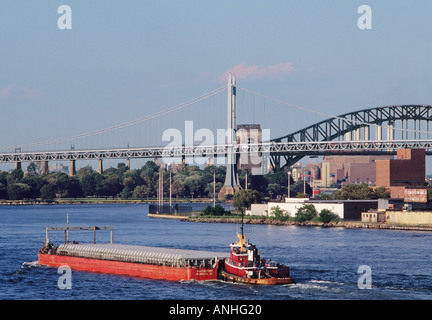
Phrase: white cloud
pixel 24 92
pixel 243 71
pixel 5 92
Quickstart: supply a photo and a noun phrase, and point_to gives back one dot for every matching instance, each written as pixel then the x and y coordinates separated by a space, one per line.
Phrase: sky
pixel 122 60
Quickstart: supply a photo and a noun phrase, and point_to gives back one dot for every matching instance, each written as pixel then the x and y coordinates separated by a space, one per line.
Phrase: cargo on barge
pixel 133 260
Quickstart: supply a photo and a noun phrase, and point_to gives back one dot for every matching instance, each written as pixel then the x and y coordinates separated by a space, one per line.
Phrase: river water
pixel 324 261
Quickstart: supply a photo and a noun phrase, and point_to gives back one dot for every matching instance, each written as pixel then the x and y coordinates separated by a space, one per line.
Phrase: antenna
pixel 242 224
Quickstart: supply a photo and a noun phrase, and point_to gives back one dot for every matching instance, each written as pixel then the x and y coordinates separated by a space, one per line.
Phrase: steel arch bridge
pixel 403 122
pixel 355 133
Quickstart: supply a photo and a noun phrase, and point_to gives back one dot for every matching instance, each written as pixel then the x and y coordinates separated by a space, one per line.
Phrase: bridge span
pixel 374 131
pixel 272 149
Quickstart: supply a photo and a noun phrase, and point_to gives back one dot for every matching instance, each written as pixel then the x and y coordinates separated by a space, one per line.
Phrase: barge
pixel 244 263
pixel 140 261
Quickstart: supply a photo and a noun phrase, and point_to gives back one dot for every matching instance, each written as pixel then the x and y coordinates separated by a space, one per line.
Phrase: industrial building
pixel 344 209
pixel 404 175
pixel 405 180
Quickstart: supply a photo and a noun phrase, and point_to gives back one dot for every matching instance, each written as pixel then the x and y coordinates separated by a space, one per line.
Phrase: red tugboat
pixel 245 265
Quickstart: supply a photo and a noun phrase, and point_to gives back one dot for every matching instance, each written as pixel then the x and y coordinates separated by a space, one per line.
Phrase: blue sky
pixel 127 59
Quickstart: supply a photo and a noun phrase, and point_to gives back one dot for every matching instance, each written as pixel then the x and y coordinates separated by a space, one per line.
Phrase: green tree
pixel 326 215
pixel 32 168
pixel 74 188
pixel 15 176
pixel 381 193
pixel 299 187
pixel 48 192
pixel 88 185
pixel 244 198
pixel 18 191
pixel 258 183
pixel 35 182
pixel 122 169
pixel 279 214
pixel 359 192
pixel 3 185
pixel 142 191
pixel 3 191
pixel 305 213
pixel 274 189
pixel 126 193
pixel 111 185
pixel 194 184
pixel 217 210
pixel 61 183
pixel 177 189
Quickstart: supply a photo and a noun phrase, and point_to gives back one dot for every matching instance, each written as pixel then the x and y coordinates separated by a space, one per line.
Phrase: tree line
pixel 142 183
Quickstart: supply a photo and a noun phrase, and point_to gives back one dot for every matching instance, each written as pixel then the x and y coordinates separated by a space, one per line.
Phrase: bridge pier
pixel 18 165
pixel 100 170
pixel 45 169
pixel 72 168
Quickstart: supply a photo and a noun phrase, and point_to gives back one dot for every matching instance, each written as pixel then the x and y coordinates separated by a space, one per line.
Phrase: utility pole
pixel 214 187
pixel 289 184
pixel 160 189
pixel 304 180
pixel 170 188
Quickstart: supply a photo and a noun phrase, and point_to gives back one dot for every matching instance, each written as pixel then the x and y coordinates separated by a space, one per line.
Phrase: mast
pixel 242 225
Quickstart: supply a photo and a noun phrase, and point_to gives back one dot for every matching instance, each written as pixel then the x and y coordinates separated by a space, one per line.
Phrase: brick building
pixel 407 171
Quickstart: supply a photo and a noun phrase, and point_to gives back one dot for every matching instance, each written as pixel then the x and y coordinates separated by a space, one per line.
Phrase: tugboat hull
pixel 228 277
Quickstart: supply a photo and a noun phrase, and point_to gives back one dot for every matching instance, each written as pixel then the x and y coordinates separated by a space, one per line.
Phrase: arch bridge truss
pixel 380 130
pixel 376 131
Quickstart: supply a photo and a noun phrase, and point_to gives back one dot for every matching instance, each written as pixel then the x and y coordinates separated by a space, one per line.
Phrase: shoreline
pixel 93 201
pixel 263 221
pixel 340 224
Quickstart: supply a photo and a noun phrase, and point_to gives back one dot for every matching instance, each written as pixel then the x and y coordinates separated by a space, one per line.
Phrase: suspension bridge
pixel 374 131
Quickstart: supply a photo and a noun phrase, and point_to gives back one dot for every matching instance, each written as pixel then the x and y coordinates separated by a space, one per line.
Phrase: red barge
pixel 244 263
pixel 139 261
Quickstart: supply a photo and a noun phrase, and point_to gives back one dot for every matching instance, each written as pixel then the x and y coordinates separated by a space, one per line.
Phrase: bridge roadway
pixel 267 148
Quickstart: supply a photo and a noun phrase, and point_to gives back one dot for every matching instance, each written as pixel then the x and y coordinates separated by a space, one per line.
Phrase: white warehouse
pixel 345 209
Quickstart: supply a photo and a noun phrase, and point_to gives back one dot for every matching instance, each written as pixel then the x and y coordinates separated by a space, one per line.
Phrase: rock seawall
pixel 340 224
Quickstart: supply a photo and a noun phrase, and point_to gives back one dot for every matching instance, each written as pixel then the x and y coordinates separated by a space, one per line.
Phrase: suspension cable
pixel 126 124
pixel 329 115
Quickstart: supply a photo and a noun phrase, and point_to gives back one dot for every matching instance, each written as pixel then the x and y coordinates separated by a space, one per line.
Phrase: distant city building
pixel 296 171
pixel 354 169
pixel 58 167
pixel 250 134
pixel 338 170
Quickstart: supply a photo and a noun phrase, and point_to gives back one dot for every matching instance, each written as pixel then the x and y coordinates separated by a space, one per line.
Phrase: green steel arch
pixel 409 121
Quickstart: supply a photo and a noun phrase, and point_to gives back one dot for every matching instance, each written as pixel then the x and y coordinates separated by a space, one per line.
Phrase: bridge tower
pixel 231 184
